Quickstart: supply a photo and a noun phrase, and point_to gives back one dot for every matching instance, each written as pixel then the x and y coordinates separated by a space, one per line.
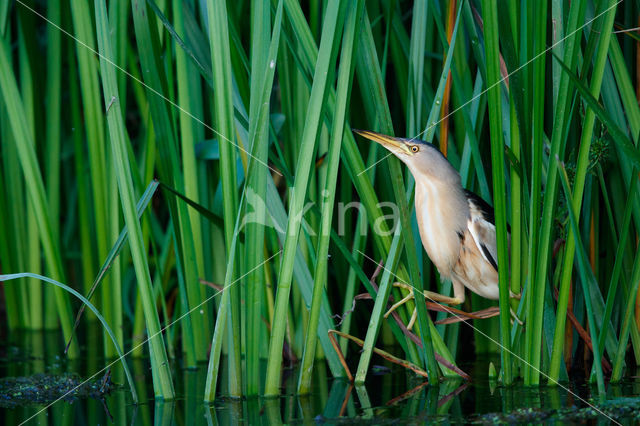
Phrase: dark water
pixel 391 395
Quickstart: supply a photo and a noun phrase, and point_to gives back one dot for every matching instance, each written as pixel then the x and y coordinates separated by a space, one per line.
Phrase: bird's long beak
pixel 389 142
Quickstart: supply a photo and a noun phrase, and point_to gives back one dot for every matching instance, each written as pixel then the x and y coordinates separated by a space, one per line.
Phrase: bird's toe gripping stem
pixel 430 296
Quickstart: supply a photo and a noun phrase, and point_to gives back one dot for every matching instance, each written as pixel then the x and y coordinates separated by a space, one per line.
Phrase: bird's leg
pixel 437 297
pixel 431 296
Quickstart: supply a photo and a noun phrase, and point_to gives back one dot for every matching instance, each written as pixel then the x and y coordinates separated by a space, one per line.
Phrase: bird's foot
pixel 515 318
pixel 429 295
pixel 401 302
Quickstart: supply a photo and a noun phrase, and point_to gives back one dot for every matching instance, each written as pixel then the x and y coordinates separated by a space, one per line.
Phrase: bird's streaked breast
pixel 442 213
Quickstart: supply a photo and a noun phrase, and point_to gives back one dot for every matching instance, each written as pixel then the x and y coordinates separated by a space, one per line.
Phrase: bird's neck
pixel 443 200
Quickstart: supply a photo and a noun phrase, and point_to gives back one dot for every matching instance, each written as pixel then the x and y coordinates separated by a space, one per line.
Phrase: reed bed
pixel 189 169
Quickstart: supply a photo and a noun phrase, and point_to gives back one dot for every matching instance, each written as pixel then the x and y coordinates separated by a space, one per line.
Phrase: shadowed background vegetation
pixel 244 247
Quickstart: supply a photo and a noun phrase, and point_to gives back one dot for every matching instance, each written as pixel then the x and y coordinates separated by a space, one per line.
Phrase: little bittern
pixel 456 226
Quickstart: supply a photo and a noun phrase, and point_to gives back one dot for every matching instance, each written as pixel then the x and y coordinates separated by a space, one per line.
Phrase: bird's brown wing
pixel 482 228
pixel 480 205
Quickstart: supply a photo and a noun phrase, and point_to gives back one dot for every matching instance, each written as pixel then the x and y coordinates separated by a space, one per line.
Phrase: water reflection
pixel 394 395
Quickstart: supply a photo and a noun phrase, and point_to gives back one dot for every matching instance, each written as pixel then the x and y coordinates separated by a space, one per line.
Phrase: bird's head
pixel 422 158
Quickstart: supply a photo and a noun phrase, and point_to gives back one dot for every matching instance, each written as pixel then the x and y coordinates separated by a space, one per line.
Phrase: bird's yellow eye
pixel 415 148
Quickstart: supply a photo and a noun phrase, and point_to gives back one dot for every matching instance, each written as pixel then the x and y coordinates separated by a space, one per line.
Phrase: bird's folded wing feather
pixel 482 228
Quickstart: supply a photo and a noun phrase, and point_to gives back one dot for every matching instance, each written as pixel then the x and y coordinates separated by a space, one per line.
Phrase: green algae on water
pixel 45 388
pixel 617 409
